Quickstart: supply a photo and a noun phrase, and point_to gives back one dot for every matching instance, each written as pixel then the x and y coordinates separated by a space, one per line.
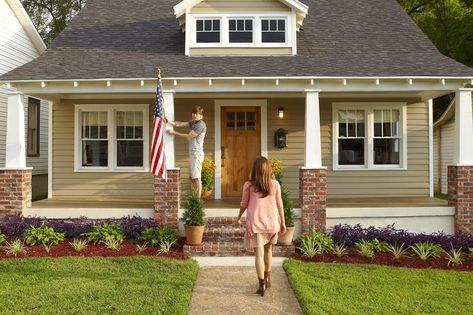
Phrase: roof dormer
pixel 264 27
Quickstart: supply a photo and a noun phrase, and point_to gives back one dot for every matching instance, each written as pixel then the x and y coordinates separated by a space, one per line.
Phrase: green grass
pixel 77 285
pixel 367 289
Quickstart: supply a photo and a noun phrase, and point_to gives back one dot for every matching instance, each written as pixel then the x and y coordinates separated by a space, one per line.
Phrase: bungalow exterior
pixel 354 81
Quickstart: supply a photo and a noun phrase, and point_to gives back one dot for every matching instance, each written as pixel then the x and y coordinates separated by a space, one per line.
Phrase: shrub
pixel 141 247
pixel 156 236
pixel 3 239
pixel 425 250
pixel 208 174
pixel 314 243
pixel 349 235
pixel 193 210
pixel 43 235
pixel 16 247
pixel 471 252
pixel 276 167
pixel 134 226
pixel 78 244
pixel 105 232
pixel 398 251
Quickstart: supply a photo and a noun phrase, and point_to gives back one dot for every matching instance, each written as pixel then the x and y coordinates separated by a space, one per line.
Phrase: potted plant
pixel 289 217
pixel 208 177
pixel 193 218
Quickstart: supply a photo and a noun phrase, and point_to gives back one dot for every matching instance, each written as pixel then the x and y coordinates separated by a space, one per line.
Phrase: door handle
pixel 222 154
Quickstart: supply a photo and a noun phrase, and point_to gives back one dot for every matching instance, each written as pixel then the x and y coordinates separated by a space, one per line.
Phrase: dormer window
pixel 240 30
pixel 208 30
pixel 273 30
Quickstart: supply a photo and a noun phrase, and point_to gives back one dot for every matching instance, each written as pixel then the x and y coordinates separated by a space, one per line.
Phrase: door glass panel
pixel 230 116
pixel 240 125
pixel 250 115
pixel 250 125
pixel 241 116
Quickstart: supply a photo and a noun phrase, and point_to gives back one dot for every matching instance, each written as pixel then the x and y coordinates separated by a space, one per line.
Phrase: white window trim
pixel 111 136
pixel 224 29
pixel 369 107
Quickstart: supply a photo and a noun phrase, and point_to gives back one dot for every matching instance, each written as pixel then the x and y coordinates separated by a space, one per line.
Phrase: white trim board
pixel 263 104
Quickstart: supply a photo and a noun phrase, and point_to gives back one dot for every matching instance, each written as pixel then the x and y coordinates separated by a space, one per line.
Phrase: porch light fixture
pixel 281 112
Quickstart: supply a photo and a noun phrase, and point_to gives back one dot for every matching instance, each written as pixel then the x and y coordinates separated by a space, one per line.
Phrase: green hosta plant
pixel 104 232
pixel 379 246
pixel 113 244
pixel 454 256
pixel 194 210
pixel 365 248
pixel 78 244
pixel 165 246
pixel 398 251
pixel 339 250
pixel 141 247
pixel 3 239
pixel 425 250
pixel 315 243
pixel 43 235
pixel 156 236
pixel 16 247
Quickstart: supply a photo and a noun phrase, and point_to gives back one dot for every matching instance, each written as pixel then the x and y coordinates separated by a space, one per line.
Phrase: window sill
pixel 124 170
pixel 370 169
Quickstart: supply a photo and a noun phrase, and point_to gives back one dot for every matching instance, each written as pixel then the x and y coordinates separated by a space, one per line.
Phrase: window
pixel 240 30
pixel 273 30
pixel 208 30
pixel 112 138
pixel 33 127
pixel 369 136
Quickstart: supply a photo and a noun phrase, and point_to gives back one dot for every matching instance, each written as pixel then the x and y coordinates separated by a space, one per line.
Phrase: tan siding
pixel 219 6
pixel 240 51
pixel 104 185
pixel 447 145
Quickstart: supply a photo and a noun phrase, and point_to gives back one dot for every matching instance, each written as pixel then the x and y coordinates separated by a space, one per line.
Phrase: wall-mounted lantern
pixel 280 138
pixel 281 112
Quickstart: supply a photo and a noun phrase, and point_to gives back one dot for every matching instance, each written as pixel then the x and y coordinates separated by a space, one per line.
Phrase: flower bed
pixel 387 246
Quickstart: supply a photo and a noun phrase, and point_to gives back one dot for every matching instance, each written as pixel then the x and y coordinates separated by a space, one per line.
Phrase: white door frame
pixel 263 104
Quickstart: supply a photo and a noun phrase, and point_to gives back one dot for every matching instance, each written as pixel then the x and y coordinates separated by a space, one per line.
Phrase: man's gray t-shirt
pixel 196 144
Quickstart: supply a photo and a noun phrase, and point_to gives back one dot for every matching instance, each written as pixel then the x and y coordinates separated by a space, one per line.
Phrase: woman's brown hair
pixel 261 175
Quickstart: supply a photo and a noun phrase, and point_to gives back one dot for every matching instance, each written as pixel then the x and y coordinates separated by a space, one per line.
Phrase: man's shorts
pixel 195 164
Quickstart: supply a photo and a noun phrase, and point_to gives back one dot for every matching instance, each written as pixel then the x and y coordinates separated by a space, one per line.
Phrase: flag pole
pixel 158 73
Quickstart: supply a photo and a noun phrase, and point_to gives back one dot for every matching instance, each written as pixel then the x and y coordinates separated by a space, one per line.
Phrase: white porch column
pixel 431 147
pixel 15 155
pixel 313 146
pixel 463 128
pixel 168 104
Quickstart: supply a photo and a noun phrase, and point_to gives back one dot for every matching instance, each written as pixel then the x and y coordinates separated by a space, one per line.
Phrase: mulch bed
pixel 65 249
pixel 353 257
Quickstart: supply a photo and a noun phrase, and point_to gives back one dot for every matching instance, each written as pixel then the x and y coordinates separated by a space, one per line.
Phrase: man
pixel 196 136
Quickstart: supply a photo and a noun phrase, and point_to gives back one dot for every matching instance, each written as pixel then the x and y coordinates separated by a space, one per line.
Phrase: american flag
pixel 158 159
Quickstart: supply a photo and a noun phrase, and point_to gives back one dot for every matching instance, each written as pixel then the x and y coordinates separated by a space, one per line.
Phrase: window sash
pixel 33 132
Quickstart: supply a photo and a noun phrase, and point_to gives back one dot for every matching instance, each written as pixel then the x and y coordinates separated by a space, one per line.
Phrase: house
pixel 352 79
pixel 20 43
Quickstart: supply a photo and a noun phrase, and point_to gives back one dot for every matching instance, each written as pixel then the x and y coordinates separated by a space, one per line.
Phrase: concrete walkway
pixel 231 290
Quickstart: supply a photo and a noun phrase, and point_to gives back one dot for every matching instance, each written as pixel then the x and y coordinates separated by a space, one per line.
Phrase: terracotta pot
pixel 194 234
pixel 286 238
pixel 207 194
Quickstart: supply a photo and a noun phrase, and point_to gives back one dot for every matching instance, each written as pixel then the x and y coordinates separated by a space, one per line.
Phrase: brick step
pixel 219 222
pixel 222 249
pixel 224 234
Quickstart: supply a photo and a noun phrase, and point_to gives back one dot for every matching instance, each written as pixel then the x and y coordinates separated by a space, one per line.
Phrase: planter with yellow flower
pixel 208 177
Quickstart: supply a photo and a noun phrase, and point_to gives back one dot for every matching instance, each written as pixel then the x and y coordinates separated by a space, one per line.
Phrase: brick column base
pixel 313 198
pixel 15 191
pixel 460 195
pixel 167 199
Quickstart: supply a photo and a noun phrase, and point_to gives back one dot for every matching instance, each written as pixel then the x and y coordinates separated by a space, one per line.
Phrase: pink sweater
pixel 262 215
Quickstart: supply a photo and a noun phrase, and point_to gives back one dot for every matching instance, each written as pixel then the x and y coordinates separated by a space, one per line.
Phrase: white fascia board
pixel 299 6
pixel 27 24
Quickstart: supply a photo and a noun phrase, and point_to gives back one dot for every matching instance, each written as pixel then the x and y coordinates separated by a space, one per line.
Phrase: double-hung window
pixel 208 30
pixel 33 127
pixel 369 136
pixel 273 30
pixel 240 30
pixel 111 138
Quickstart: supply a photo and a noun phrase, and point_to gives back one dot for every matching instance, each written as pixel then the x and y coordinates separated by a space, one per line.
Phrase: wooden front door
pixel 241 144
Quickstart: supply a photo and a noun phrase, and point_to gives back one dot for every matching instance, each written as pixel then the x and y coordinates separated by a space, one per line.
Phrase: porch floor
pixel 378 202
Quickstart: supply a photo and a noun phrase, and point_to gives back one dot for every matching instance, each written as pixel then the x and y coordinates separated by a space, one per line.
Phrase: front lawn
pixel 79 285
pixel 369 289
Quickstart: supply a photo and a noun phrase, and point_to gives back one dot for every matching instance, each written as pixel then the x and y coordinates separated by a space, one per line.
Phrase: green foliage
pixel 471 253
pixel 276 167
pixel 398 251
pixel 104 232
pixel 78 244
pixel 141 247
pixel 425 250
pixel 16 247
pixel 379 246
pixel 113 244
pixel 165 246
pixel 454 256
pixel 314 243
pixel 365 248
pixel 43 235
pixel 289 214
pixel 193 210
pixel 208 174
pixel 158 235
pixel 339 250
pixel 3 239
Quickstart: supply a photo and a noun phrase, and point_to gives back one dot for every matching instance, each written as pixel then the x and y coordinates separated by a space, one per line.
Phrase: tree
pixel 51 16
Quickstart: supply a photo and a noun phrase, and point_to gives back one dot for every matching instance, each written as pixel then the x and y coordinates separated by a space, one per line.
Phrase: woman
pixel 265 218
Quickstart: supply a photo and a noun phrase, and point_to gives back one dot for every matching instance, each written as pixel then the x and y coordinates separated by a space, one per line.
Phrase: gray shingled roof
pixel 129 39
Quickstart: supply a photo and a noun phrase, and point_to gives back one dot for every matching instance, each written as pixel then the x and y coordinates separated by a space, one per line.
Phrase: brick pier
pixel 460 195
pixel 15 191
pixel 313 198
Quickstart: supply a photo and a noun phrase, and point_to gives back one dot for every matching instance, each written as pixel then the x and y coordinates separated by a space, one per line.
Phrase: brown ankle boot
pixel 262 287
pixel 267 279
